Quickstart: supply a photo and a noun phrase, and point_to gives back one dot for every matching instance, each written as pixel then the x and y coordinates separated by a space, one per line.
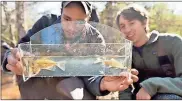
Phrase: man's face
pixel 73 21
pixel 134 30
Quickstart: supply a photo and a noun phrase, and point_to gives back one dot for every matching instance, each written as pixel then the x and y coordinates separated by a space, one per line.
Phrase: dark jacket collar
pixel 153 37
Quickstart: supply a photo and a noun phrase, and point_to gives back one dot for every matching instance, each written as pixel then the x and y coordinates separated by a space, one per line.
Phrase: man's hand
pixel 119 83
pixel 134 74
pixel 14 64
pixel 142 95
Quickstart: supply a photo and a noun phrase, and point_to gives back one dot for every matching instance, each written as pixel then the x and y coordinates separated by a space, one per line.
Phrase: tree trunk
pixel 110 13
pixel 8 23
pixel 20 19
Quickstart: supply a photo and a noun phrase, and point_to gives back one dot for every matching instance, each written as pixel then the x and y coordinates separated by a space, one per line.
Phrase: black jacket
pixel 93 85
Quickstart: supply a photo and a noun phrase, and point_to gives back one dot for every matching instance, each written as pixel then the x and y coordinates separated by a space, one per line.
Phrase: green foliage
pixel 162 18
pixel 108 15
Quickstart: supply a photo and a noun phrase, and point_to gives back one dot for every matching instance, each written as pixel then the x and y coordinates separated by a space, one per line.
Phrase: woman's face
pixel 133 30
pixel 73 21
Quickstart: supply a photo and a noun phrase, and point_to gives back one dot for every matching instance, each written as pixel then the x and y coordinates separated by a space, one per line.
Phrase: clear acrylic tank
pixel 49 56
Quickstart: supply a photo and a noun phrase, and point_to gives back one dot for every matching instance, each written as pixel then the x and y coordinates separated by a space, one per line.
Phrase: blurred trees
pixel 14 20
pixel 108 15
pixel 7 34
pixel 162 18
pixel 19 6
pixel 14 23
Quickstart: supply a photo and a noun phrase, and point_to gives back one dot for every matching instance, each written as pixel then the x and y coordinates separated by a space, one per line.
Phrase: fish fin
pixel 112 59
pixel 98 60
pixel 110 66
pixel 103 65
pixel 44 57
pixel 61 65
pixel 101 72
pixel 35 70
pixel 50 68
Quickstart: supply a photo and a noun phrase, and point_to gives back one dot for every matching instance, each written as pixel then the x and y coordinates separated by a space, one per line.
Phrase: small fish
pixel 101 72
pixel 110 63
pixel 44 63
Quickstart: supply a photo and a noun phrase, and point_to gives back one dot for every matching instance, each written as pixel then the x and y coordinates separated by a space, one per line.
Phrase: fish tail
pixel 61 65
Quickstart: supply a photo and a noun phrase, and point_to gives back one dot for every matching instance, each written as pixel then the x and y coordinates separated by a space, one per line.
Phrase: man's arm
pixel 168 85
pixel 43 22
pixel 93 85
